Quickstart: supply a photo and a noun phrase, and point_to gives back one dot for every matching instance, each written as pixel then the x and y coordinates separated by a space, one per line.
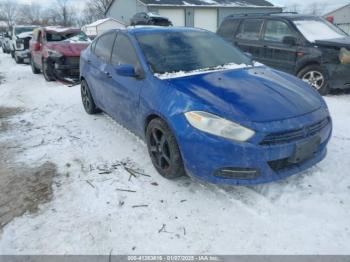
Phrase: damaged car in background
pixel 55 51
pixel 309 47
pixel 20 36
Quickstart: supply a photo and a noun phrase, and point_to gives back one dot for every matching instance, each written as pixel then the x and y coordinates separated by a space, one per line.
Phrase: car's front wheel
pixel 163 149
pixel 48 71
pixel 18 60
pixel 35 70
pixel 315 76
pixel 88 102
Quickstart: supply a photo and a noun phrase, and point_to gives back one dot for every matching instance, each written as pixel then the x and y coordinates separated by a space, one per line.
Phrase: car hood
pixel 338 42
pixel 25 35
pixel 253 94
pixel 67 49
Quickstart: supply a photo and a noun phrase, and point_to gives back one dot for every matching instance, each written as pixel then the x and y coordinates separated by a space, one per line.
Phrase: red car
pixel 56 52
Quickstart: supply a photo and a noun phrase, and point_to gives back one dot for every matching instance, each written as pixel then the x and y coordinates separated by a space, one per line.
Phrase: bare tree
pixel 315 8
pixel 30 14
pixel 8 10
pixel 62 13
pixel 94 10
pixel 294 7
pixel 99 6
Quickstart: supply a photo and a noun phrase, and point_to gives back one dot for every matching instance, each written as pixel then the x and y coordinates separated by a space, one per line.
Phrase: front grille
pixel 72 60
pixel 26 43
pixel 290 136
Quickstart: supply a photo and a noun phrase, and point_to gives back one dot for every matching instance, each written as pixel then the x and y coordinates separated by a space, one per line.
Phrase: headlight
pixel 54 54
pixel 344 56
pixel 218 126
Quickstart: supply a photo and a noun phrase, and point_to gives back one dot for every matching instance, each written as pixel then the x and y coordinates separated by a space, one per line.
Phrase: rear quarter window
pixel 228 28
pixel 250 29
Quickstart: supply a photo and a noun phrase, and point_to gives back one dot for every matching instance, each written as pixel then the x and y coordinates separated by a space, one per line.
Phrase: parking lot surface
pixel 73 183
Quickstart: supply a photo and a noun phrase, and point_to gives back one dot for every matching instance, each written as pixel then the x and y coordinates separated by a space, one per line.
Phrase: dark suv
pixel 149 19
pixel 307 46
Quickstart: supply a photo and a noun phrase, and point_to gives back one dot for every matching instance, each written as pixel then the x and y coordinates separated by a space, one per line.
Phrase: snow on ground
pixel 305 214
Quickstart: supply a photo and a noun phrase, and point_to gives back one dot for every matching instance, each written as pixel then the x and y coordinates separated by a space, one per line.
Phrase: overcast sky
pixel 328 5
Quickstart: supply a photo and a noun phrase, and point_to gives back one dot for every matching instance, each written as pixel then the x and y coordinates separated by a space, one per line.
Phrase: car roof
pixel 285 15
pixel 155 29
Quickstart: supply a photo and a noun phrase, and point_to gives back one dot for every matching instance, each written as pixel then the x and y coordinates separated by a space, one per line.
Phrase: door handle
pixel 108 74
pixel 89 61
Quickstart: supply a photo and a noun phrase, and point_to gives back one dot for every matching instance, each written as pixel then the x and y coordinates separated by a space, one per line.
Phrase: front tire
pixel 18 60
pixel 315 76
pixel 163 150
pixel 35 70
pixel 48 71
pixel 88 102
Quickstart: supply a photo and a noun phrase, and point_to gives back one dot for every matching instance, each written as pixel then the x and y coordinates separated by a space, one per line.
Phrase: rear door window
pixel 228 28
pixel 104 46
pixel 250 29
pixel 276 30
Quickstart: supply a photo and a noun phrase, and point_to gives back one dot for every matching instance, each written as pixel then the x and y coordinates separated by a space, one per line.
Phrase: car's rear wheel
pixel 315 76
pixel 48 71
pixel 163 149
pixel 88 102
pixel 35 70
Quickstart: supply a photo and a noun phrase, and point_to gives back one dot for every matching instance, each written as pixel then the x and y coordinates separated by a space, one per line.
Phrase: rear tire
pixel 48 71
pixel 88 102
pixel 12 54
pixel 315 76
pixel 163 150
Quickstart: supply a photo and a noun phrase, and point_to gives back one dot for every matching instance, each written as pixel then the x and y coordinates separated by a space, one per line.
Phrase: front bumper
pixel 339 76
pixel 205 155
pixel 24 54
pixel 66 67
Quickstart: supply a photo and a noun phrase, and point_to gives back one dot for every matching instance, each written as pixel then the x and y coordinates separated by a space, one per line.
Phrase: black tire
pixel 35 70
pixel 316 77
pixel 163 150
pixel 12 54
pixel 88 102
pixel 48 71
pixel 18 60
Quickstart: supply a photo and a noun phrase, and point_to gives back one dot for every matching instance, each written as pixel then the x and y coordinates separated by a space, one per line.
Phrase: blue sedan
pixel 203 107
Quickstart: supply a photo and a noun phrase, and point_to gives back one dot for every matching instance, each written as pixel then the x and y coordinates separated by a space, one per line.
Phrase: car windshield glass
pixel 318 29
pixel 20 30
pixel 168 52
pixel 70 37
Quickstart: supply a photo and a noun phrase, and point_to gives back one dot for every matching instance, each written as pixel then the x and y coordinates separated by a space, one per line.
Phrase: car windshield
pixel 70 37
pixel 168 52
pixel 318 29
pixel 20 30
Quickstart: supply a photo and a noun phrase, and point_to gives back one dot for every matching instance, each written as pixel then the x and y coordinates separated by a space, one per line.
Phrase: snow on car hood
pixel 338 42
pixel 204 70
pixel 25 35
pixel 251 94
pixel 67 48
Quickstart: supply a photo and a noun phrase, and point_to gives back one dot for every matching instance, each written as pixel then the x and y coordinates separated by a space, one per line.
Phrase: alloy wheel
pixel 159 148
pixel 314 78
pixel 85 96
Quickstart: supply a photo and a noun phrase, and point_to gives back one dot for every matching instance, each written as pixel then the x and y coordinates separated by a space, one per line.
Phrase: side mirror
pixel 37 46
pixel 126 70
pixel 290 40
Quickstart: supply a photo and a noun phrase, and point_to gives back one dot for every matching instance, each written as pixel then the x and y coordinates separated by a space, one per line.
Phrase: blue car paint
pixel 260 98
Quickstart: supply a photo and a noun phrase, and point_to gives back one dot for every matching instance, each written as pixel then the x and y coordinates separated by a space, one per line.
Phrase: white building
pixel 207 14
pixel 341 17
pixel 101 26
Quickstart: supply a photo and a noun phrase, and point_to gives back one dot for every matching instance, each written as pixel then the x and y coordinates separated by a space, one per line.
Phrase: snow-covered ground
pixel 88 214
